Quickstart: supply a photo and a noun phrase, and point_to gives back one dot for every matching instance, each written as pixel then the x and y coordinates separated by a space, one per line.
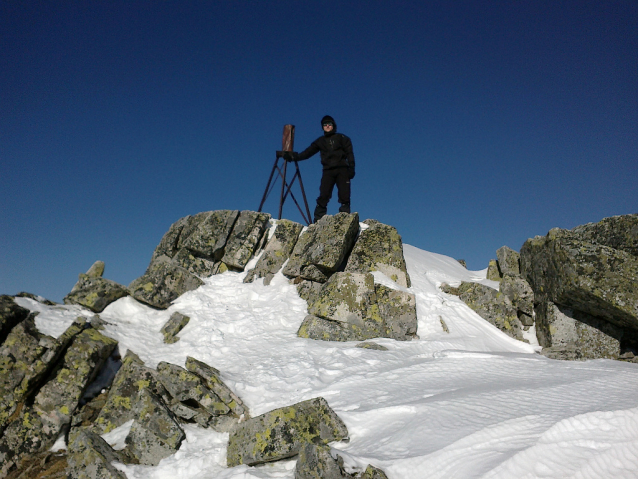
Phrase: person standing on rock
pixel 337 159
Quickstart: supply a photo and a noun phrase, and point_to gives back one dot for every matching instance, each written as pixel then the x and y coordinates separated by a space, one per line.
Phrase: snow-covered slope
pixel 470 403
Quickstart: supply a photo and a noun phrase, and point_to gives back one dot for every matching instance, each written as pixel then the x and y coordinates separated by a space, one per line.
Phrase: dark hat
pixel 327 120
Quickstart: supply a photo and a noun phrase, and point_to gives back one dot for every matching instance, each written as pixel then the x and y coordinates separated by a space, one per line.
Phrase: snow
pixel 471 403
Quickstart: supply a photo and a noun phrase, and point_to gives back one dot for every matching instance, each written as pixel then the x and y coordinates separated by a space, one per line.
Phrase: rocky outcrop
pixel 10 315
pixel 323 247
pixel 90 457
pixel 94 292
pixel 492 306
pixel 198 246
pixel 315 461
pixel 521 295
pixel 617 232
pixel 276 252
pixel 281 433
pixel 36 427
pixel 350 307
pixel 173 326
pixel 379 248
pixel 508 261
pixel 493 272
pixel 595 279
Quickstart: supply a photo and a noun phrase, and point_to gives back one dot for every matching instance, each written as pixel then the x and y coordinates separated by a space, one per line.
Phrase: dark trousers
pixel 340 177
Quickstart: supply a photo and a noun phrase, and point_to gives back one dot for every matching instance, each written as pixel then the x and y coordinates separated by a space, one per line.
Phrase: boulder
pixel 493 306
pixel 212 380
pixel 162 283
pixel 519 292
pixel 307 289
pixel 398 312
pixel 174 325
pixel 568 334
pixel 281 433
pixel 155 433
pixel 130 380
pixel 277 251
pixel 371 345
pixel 372 472
pixel 26 358
pixel 10 315
pixel 316 462
pixel 314 327
pixel 96 270
pixel 173 239
pixel 508 261
pixel 321 250
pixel 591 278
pixel 186 386
pixel 94 292
pixel 618 232
pixel 208 238
pixel 90 457
pixel 35 297
pixel 379 248
pixel 493 272
pixel 244 239
pixel 37 427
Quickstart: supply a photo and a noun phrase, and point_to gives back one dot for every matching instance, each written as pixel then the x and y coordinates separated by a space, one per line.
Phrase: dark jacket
pixel 335 148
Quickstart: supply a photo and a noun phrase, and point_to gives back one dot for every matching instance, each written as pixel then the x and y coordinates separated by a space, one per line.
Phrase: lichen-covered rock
pixel 95 292
pixel 185 386
pixel 307 289
pixel 493 306
pixel 347 297
pixel 618 232
pixel 314 327
pixel 372 472
pixel 213 381
pixel 155 433
pixel 131 379
pixel 26 357
pixel 568 334
pixel 37 427
pixel 277 251
pixel 174 325
pixel 90 457
pixel 173 239
pixel 595 279
pixel 398 312
pixel 244 238
pixel 96 270
pixel 379 248
pixel 519 292
pixel 282 433
pixel 316 462
pixel 163 282
pixel 209 238
pixel 508 261
pixel 322 248
pixel 10 315
pixel 36 297
pixel 196 265
pixel 493 272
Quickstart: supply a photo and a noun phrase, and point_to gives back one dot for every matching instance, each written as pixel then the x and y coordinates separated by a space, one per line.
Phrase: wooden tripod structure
pixel 287 144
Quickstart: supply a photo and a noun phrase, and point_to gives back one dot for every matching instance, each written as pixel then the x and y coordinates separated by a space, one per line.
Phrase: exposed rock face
pixel 379 248
pixel 277 251
pixel 10 315
pixel 90 457
pixel 493 272
pixel 492 306
pixel 595 279
pixel 618 232
pixel 155 433
pixel 26 358
pixel 36 428
pixel 94 292
pixel 367 311
pixel 282 433
pixel 372 472
pixel 315 462
pixel 174 325
pixel 246 233
pixel 322 248
pixel 163 282
pixel 199 246
pixel 508 261
pixel 519 292
pixel 567 334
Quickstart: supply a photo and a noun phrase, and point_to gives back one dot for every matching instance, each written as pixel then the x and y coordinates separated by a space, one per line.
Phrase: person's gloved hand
pixel 351 173
pixel 291 156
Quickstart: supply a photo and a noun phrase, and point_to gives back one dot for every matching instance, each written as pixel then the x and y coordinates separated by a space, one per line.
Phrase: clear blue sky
pixel 474 124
